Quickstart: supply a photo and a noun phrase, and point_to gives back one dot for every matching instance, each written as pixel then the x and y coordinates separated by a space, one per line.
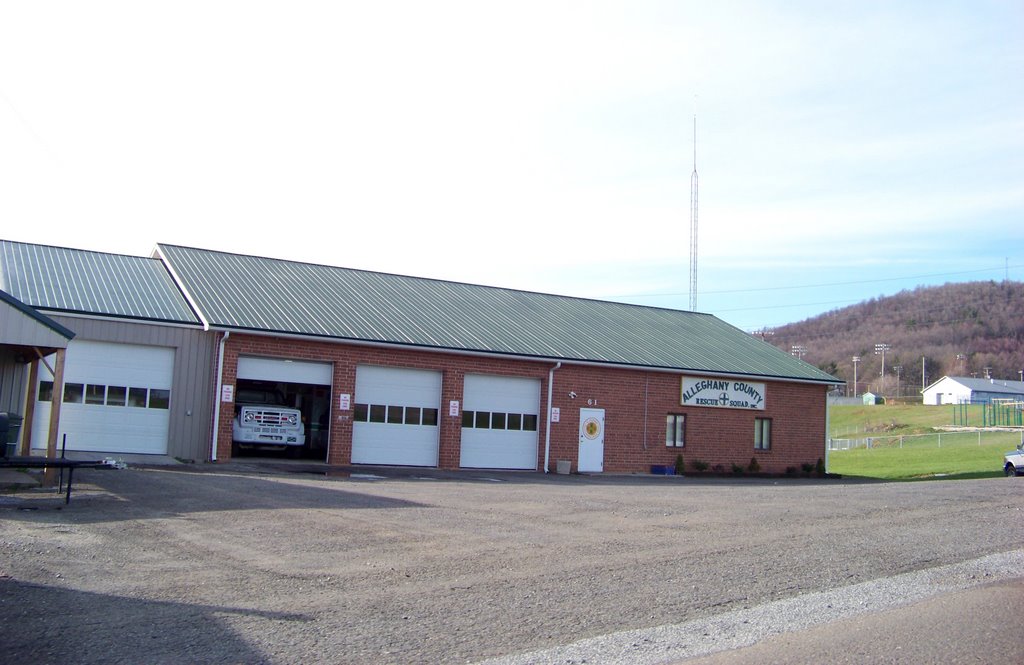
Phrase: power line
pixel 826 284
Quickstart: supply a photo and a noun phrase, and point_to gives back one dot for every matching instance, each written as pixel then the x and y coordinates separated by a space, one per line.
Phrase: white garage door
pixel 117 398
pixel 395 420
pixel 499 422
pixel 286 371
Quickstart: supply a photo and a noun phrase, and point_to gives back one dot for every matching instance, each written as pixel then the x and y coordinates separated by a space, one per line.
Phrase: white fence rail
pixel 936 440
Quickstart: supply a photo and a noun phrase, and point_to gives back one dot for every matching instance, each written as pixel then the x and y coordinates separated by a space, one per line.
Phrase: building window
pixel 675 430
pixel 46 391
pixel 762 433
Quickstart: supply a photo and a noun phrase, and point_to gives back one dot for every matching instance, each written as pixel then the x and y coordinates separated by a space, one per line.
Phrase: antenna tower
pixel 693 221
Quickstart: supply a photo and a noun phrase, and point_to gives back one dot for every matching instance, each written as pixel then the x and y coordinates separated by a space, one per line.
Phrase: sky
pixel 844 150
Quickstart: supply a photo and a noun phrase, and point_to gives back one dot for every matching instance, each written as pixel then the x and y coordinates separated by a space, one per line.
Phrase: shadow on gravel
pixel 44 624
pixel 159 494
pixel 383 473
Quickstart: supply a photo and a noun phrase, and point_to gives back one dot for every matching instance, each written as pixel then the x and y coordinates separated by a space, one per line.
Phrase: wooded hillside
pixel 967 329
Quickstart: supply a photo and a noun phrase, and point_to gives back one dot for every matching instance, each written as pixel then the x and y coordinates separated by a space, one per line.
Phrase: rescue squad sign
pixel 723 394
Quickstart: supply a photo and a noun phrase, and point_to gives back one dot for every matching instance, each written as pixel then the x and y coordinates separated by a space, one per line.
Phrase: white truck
pixel 263 421
pixel 1013 462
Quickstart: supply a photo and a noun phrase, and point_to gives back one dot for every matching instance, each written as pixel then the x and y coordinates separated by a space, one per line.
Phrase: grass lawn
pixel 958 456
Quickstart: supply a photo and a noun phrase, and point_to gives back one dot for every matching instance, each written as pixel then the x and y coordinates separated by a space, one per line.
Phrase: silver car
pixel 1013 462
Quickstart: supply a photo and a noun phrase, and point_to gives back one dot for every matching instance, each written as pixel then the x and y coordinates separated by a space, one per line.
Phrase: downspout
pixel 547 429
pixel 828 418
pixel 217 397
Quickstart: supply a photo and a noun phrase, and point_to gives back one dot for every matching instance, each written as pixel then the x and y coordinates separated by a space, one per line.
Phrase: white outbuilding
pixel 970 390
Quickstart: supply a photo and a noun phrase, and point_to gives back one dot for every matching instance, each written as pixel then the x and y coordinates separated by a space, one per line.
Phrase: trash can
pixel 10 428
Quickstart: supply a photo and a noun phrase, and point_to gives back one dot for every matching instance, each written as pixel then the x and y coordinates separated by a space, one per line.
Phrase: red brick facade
pixel 635 402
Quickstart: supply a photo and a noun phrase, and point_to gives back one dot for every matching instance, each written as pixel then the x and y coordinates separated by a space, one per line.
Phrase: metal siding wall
pixel 12 384
pixel 192 387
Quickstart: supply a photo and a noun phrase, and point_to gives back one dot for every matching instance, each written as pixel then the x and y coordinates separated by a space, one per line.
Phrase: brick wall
pixel 635 404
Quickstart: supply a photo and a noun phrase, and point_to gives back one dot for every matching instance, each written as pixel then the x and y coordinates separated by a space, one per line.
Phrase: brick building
pixel 431 373
pixel 396 370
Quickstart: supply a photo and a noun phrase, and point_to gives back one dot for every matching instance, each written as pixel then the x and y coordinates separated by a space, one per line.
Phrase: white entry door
pixel 591 458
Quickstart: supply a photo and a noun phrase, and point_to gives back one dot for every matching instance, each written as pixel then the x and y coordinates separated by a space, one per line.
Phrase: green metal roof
pixel 77 281
pixel 261 294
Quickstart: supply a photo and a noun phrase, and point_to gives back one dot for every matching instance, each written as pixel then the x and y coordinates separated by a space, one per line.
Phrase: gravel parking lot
pixel 247 564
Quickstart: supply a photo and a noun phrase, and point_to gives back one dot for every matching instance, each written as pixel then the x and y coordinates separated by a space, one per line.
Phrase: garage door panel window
pixel 159 399
pixel 394 414
pixel 412 415
pixel 497 420
pixel 117 395
pixel 95 394
pixel 73 393
pixel 137 397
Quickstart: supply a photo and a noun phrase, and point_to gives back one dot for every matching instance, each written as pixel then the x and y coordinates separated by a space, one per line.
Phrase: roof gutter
pixel 547 428
pixel 217 397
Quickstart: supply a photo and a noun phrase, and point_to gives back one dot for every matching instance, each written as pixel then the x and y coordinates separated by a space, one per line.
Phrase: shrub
pixel 737 468
pixel 680 467
pixel 718 468
pixel 790 470
pixel 807 467
pixel 701 465
pixel 753 467
pixel 819 468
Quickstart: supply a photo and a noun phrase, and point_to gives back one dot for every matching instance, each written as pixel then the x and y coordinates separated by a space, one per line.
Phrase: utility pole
pixel 923 386
pixel 898 369
pixel 798 351
pixel 880 350
pixel 856 359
